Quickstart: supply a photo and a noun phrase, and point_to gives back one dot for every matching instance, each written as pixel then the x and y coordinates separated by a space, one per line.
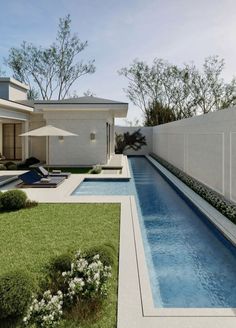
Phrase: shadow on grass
pixel 85 311
pixel 11 322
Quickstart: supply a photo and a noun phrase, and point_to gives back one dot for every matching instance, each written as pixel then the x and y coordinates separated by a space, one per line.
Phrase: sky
pixel 119 31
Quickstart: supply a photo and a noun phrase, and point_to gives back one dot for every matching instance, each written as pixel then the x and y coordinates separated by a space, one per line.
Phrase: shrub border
pixel 224 206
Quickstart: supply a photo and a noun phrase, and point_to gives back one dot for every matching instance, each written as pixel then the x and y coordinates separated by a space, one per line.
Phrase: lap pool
pixel 191 264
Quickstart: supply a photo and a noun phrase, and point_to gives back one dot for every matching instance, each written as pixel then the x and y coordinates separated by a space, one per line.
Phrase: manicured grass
pixel 75 170
pixel 29 238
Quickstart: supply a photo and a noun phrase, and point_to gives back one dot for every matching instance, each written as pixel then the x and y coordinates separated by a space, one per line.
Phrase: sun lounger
pixel 32 179
pixel 5 179
pixel 58 173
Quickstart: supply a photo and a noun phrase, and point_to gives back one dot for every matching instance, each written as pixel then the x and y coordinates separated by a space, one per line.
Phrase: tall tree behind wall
pixel 166 92
pixel 51 72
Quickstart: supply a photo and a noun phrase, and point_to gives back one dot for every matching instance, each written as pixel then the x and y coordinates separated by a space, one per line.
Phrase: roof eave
pixel 14 105
pixel 119 109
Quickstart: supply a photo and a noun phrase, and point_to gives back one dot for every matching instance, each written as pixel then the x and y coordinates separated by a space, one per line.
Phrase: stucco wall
pixel 204 147
pixel 146 131
pixel 37 145
pixel 11 91
pixel 79 150
pixel 16 93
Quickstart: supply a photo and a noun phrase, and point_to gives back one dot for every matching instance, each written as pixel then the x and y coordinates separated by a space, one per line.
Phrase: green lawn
pixel 75 170
pixel 29 238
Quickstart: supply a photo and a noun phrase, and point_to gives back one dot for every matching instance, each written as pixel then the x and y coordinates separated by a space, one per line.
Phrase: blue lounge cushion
pixel 30 177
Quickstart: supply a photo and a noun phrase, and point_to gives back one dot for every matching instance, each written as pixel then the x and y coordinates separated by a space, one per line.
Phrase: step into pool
pixel 191 264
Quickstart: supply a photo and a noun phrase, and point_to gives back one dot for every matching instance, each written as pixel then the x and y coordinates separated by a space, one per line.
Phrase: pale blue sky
pixel 119 31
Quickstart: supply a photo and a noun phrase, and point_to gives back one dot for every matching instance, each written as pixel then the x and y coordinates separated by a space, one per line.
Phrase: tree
pixel 126 141
pixel 208 87
pixel 156 114
pixel 164 91
pixel 50 72
pixel 161 83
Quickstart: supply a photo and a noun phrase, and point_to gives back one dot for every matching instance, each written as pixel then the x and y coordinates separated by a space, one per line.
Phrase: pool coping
pixel 135 305
pixel 148 308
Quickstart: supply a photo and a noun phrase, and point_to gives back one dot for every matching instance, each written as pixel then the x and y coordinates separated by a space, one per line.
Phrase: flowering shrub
pixel 47 312
pixel 86 279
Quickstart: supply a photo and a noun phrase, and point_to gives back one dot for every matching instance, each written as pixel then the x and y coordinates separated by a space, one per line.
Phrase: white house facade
pixel 91 118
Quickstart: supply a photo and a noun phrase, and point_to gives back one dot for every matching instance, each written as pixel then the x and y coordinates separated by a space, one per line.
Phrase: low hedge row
pixel 223 205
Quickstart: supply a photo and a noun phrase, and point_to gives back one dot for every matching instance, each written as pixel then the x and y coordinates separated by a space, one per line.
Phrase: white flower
pixel 97 276
pixel 47 310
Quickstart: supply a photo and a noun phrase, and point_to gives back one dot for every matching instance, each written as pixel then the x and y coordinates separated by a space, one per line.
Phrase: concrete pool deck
pixel 135 305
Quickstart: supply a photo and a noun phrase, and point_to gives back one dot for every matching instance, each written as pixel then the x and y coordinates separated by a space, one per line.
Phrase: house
pixel 91 118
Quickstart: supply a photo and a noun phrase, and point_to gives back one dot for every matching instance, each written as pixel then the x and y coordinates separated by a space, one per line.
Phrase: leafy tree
pixel 126 141
pixel 208 87
pixel 161 83
pixel 50 72
pixel 137 75
pixel 185 91
pixel 156 114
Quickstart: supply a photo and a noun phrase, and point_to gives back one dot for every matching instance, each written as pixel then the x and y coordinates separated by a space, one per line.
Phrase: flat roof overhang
pixel 118 110
pixel 14 111
pixel 8 104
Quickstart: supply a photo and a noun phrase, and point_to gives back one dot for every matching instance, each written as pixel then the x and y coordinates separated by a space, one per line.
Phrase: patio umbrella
pixel 48 131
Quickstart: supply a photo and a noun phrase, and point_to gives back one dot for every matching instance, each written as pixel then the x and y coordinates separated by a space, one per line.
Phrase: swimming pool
pixel 191 264
pixel 104 187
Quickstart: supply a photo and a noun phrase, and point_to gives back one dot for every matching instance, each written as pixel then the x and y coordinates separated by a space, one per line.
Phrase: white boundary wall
pixel 146 131
pixel 203 147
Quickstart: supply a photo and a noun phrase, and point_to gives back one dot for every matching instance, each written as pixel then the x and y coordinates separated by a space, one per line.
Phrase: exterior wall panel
pixel 204 147
pixel 78 150
pixel 146 131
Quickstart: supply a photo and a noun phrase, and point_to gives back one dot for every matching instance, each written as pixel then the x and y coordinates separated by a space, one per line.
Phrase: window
pixel 12 144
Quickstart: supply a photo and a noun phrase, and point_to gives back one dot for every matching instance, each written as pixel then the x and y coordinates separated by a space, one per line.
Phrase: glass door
pixel 12 143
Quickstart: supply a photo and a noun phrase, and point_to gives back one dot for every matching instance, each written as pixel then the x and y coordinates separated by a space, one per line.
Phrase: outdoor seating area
pixel 32 179
pixel 6 179
pixel 117 164
pixel 55 173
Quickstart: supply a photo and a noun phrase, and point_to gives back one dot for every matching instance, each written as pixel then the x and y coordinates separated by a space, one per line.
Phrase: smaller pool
pixel 104 187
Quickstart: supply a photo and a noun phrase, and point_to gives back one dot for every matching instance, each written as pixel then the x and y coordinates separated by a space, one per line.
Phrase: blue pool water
pixel 190 263
pixel 104 187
